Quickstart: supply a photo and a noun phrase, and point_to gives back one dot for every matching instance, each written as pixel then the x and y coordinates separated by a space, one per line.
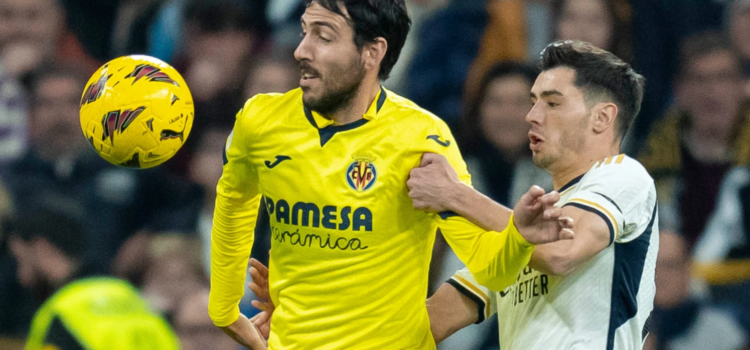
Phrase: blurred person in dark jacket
pixel 691 149
pixel 118 201
pixel 79 310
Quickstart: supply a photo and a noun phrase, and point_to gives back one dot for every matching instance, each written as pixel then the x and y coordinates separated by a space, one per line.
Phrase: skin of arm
pixel 449 312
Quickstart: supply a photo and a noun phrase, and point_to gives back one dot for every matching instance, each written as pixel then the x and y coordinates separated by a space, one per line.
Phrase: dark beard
pixel 335 100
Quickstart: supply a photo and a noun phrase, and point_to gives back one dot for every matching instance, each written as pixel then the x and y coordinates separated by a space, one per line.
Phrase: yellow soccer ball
pixel 136 111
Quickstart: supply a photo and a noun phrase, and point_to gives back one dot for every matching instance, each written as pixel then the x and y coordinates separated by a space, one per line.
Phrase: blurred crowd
pixel 67 215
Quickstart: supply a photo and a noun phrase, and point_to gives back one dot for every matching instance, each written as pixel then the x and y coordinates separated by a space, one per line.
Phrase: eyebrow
pixel 547 93
pixel 319 23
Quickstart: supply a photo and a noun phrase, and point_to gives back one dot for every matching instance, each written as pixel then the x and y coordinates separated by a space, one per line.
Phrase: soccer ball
pixel 136 111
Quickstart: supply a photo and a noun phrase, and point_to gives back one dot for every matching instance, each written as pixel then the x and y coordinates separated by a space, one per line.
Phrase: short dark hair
pixel 599 74
pixel 371 19
pixel 703 44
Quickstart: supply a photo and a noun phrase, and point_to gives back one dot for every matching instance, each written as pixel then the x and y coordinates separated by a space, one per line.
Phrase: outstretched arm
pixel 493 257
pixel 435 187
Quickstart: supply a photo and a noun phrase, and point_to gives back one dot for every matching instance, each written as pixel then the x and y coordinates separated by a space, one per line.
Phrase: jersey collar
pixel 321 122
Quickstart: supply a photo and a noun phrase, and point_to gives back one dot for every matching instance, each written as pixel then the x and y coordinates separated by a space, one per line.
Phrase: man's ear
pixel 374 52
pixel 604 115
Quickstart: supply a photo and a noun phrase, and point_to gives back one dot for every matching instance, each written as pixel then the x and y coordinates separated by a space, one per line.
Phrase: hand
pixel 431 184
pixel 246 334
pixel 538 219
pixel 259 286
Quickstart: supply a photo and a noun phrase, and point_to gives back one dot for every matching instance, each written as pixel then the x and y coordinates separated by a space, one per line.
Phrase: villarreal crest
pixel 361 174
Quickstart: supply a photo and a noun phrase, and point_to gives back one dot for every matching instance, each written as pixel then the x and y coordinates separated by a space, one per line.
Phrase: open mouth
pixel 534 141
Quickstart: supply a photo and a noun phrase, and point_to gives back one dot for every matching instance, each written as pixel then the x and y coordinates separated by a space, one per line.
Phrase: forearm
pixel 449 312
pixel 231 244
pixel 477 208
pixel 494 258
pixel 244 333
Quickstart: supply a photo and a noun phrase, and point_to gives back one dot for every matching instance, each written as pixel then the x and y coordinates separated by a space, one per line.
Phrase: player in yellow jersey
pixel 350 252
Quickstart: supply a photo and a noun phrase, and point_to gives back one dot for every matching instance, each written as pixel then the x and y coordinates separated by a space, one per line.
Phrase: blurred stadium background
pixel 468 61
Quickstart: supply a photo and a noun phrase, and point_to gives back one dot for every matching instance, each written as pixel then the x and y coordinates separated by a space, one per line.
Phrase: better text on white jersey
pixel 606 302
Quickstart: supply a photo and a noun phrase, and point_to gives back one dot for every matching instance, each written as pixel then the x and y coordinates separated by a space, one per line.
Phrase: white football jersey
pixel 606 302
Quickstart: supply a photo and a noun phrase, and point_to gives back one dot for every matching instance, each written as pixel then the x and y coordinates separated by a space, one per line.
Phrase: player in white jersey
pixel 595 291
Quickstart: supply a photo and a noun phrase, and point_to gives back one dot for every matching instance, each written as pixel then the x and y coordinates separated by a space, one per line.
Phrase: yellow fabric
pixel 102 314
pixel 724 272
pixel 350 258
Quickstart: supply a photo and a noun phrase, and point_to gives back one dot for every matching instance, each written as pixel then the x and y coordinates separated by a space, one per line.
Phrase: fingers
pixel 566 233
pixel 550 199
pixel 259 291
pixel 261 318
pixel 262 269
pixel 531 197
pixel 263 306
pixel 552 213
pixel 430 158
pixel 566 222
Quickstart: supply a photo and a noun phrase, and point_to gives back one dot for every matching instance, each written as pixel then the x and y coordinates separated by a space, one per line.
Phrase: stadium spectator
pixel 33 33
pixel 219 42
pixel 701 137
pixel 173 271
pixel 738 25
pixel 16 305
pixel 194 327
pixel 658 28
pixel 683 320
pixel 46 242
pixel 278 73
pixel 205 170
pixel 119 201
pixel 448 43
pixel 604 23
pixel 13 119
pixel 722 255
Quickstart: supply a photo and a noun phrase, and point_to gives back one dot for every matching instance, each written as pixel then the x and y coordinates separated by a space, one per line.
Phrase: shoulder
pixel 262 110
pixel 620 170
pixel 266 103
pixel 408 115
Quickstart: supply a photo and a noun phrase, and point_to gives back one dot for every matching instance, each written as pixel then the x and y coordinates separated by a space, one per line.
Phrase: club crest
pixel 361 174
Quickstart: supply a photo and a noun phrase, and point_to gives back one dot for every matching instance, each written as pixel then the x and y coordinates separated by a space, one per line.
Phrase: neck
pixel 579 164
pixel 358 105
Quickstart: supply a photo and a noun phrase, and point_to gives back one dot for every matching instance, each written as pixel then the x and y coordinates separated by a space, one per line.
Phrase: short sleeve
pixel 621 193
pixel 485 299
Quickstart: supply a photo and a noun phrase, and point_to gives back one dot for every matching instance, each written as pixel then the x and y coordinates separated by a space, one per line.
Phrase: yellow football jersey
pixel 350 253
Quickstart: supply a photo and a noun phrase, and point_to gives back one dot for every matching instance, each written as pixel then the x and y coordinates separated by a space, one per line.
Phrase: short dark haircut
pixel 600 75
pixel 703 44
pixel 372 19
pixel 470 128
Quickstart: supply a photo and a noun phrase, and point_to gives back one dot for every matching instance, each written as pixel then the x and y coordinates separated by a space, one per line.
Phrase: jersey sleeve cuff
pixel 476 295
pixel 601 212
pixel 516 235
